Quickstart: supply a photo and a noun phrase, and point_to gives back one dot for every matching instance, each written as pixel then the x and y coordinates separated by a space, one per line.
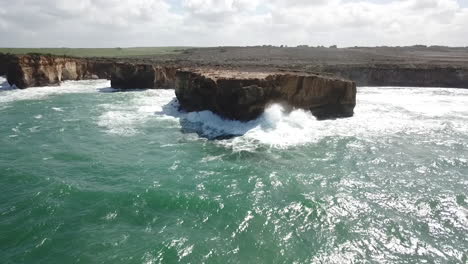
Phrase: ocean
pixel 89 174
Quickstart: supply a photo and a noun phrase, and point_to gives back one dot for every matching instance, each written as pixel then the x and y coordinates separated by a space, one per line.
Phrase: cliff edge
pixel 33 70
pixel 244 96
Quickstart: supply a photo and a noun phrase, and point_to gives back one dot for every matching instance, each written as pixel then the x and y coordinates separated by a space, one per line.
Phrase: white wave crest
pixel 10 94
pixel 379 112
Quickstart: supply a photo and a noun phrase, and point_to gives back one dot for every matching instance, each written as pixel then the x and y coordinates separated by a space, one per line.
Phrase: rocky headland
pixel 402 75
pixel 36 70
pixel 142 76
pixel 414 66
pixel 238 83
pixel 242 95
pixel 233 94
pixel 5 60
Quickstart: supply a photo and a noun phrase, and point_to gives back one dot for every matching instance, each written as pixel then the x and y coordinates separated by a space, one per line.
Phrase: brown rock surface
pixel 418 66
pixel 403 75
pixel 245 95
pixel 415 66
pixel 39 70
pixel 133 76
pixel 4 62
pixel 99 69
pixel 142 76
pixel 42 70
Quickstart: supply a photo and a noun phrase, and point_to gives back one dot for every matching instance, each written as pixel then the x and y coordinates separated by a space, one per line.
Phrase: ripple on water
pixel 131 179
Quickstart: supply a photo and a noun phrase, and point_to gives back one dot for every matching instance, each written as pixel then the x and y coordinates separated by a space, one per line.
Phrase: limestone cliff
pixel 4 62
pixel 142 76
pixel 402 75
pixel 244 95
pixel 38 70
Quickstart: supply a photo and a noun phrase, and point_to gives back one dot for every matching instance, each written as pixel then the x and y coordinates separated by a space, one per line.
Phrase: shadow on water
pixel 206 124
pixel 115 90
pixel 107 90
pixel 5 86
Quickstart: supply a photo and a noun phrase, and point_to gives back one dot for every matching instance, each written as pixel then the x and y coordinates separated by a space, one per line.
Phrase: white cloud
pixel 98 23
pixel 220 6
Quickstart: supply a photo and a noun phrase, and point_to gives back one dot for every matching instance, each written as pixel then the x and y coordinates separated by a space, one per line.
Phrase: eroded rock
pixel 142 76
pixel 133 76
pixel 402 75
pixel 245 95
pixel 38 70
pixel 5 60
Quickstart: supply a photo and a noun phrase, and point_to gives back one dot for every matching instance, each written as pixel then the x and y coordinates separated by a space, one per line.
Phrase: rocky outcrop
pixel 402 75
pixel 99 69
pixel 131 76
pixel 35 70
pixel 5 60
pixel 142 76
pixel 245 95
pixel 416 66
pixel 38 70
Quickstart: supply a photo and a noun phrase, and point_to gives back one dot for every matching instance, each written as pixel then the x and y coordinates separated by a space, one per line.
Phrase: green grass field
pixel 97 52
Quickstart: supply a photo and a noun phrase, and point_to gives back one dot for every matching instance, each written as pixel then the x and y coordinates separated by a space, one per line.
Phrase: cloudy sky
pixel 123 23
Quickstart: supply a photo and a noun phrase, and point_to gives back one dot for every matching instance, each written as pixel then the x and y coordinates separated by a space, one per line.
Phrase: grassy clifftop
pixel 98 52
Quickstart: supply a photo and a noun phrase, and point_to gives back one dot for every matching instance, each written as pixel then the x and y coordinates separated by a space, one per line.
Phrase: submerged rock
pixel 245 95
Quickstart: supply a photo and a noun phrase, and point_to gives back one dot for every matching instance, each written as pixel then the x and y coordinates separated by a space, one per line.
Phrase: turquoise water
pixel 90 175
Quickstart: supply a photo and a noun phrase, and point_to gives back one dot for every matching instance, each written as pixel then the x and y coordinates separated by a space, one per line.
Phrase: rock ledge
pixel 244 96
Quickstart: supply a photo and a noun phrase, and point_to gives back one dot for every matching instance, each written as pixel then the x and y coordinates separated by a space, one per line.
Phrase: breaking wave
pixel 387 185
pixel 11 94
pixel 379 112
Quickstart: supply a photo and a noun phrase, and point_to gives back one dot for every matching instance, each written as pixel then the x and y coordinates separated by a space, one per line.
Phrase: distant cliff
pixel 235 92
pixel 239 95
pixel 38 70
pixel 402 75
pixel 418 66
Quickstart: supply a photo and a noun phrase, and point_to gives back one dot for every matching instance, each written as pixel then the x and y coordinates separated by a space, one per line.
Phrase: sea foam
pixel 11 94
pixel 379 112
pixel 383 111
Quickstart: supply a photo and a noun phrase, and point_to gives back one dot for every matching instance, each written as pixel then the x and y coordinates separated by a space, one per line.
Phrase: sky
pixel 137 23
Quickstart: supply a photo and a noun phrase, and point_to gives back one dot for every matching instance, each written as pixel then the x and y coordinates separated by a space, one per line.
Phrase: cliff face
pixel 5 60
pixel 131 76
pixel 37 70
pixel 142 76
pixel 412 76
pixel 96 69
pixel 245 95
pixel 40 70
